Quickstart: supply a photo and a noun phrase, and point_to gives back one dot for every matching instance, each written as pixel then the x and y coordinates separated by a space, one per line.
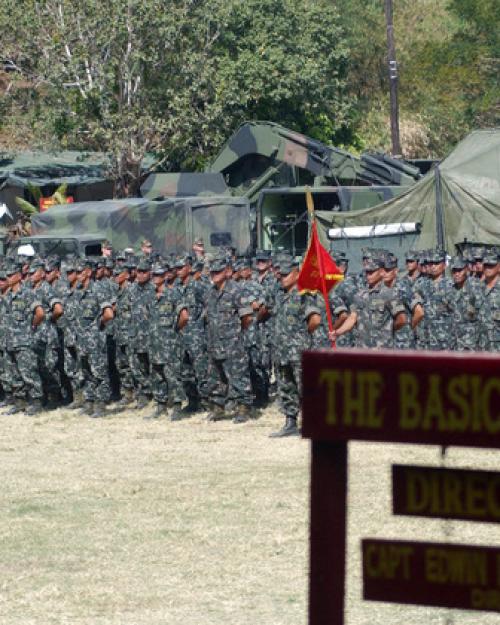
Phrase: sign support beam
pixel 328 533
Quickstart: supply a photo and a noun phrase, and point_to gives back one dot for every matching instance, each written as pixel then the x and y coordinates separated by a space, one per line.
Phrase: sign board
pixel 433 398
pixel 446 493
pixel 432 574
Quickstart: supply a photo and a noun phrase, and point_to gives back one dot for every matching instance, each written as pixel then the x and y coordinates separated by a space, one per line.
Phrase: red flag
pixel 319 271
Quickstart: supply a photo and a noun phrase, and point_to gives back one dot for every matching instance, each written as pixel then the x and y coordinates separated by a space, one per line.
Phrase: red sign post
pixel 388 396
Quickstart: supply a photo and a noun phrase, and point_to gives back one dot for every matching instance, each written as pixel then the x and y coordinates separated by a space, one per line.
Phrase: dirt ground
pixel 130 522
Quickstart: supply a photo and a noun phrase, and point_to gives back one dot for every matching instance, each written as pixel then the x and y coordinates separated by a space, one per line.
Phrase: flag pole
pixel 312 215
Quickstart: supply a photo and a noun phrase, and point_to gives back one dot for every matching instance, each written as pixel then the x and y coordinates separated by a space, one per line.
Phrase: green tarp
pixel 458 200
pixel 171 225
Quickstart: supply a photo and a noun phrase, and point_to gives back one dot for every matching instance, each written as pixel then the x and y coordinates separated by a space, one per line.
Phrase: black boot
pixel 7 401
pixel 176 414
pixel 192 407
pixel 34 408
pixel 289 429
pixel 126 399
pixel 19 405
pixel 142 402
pixel 99 410
pixel 242 414
pixel 160 408
pixel 216 413
pixel 87 408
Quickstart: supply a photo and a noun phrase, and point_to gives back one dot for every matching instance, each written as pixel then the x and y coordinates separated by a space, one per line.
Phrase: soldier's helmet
pixel 457 263
pixel 219 263
pixel 490 258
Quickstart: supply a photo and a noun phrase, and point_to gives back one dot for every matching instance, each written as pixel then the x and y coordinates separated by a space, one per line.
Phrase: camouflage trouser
pixel 5 373
pixel 123 366
pixel 194 371
pixel 140 372
pixel 26 380
pixel 166 383
pixel 94 369
pixel 229 381
pixel 259 376
pixel 289 387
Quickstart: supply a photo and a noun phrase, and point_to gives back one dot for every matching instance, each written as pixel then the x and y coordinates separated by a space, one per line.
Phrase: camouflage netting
pixel 458 200
pixel 171 225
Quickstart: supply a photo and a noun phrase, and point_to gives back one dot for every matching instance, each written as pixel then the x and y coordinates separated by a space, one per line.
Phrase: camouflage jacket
pixel 490 318
pixel 225 308
pixel 292 311
pixel 91 304
pixel 122 315
pixel 466 317
pixel 165 340
pixel 376 309
pixel 68 322
pixel 140 299
pixel 439 306
pixel 20 307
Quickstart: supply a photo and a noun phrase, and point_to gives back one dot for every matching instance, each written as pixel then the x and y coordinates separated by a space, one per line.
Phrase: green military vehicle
pixel 171 225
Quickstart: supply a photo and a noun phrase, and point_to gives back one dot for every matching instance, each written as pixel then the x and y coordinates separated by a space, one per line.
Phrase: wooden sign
pixel 438 398
pixel 446 493
pixel 432 574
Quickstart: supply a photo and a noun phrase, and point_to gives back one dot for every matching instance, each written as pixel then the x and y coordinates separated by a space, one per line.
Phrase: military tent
pixel 457 202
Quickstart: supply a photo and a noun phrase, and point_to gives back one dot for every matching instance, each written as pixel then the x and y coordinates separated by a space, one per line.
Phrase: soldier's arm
pixel 347 325
pixel 106 313
pixel 400 321
pixel 182 319
pixel 38 315
pixel 417 315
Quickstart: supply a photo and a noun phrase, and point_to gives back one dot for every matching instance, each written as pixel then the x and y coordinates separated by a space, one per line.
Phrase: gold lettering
pixel 417 492
pixel 434 405
pixel 452 489
pixel 475 503
pixel 491 423
pixel 409 408
pixel 493 497
pixel 456 566
pixel 371 566
pixel 475 404
pixel 330 378
pixel 374 384
pixel 458 421
pixel 353 400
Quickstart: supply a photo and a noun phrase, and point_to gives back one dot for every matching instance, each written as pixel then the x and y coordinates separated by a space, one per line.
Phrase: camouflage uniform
pixel 121 337
pixel 466 321
pixel 490 311
pixel 5 374
pixel 21 340
pixel 439 306
pixel 229 375
pixel 376 309
pixel 67 324
pixel 166 347
pixel 92 347
pixel 291 339
pixel 194 353
pixel 140 299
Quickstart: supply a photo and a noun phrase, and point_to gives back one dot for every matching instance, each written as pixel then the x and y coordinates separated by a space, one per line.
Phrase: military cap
pixel 411 255
pixel 219 263
pixel 158 269
pixel 107 245
pixel 339 257
pixel 121 257
pixel 478 253
pixel 197 265
pixel 80 266
pixel 14 267
pixel 287 265
pixel 36 265
pixel 69 265
pixel 143 265
pixel 262 255
pixel 373 263
pixel 52 264
pixel 390 261
pixel 3 274
pixel 146 243
pixel 198 241
pixel 458 263
pixel 100 262
pixel 182 261
pixel 437 256
pixel 238 265
pixel 118 269
pixel 490 258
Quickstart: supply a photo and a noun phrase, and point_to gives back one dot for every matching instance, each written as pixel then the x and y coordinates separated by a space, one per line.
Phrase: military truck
pixel 171 225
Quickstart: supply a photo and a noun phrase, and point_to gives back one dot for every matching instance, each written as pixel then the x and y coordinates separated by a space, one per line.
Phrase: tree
pixel 175 77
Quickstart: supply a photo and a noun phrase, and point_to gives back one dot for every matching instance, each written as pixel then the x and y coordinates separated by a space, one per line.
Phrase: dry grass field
pixel 130 522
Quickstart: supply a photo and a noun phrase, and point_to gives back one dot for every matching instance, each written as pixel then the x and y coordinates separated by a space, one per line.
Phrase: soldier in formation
pixel 223 336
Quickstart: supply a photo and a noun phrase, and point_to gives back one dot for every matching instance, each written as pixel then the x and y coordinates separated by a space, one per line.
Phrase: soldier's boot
pixel 142 402
pixel 77 402
pixel 242 414
pixel 192 407
pixel 34 408
pixel 19 405
pixel 216 413
pixel 176 414
pixel 7 401
pixel 87 408
pixel 289 429
pixel 160 409
pixel 99 410
pixel 127 398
